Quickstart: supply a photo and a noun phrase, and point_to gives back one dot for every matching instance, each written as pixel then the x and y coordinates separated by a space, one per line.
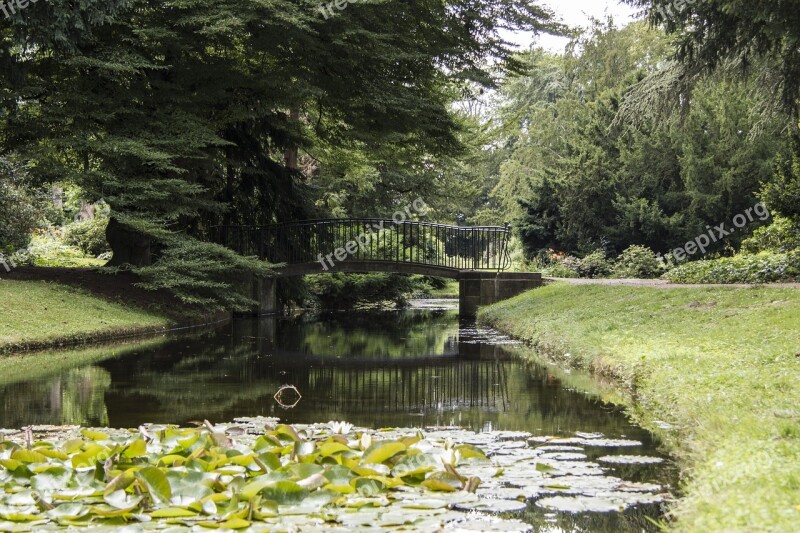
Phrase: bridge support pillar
pixel 477 289
pixel 262 290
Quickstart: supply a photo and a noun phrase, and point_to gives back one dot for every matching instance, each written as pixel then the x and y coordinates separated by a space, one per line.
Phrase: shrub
pixel 19 214
pixel 595 265
pixel 638 262
pixel 47 250
pixel 765 267
pixel 561 270
pixel 88 235
pixel 782 235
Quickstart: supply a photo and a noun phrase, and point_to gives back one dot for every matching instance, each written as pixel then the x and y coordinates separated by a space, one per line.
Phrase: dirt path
pixel 664 284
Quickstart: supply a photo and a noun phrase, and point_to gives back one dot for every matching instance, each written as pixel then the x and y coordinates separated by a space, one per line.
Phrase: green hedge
pixel 757 268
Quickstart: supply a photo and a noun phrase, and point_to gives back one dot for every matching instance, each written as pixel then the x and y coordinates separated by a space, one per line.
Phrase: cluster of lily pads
pixel 226 477
pixel 258 475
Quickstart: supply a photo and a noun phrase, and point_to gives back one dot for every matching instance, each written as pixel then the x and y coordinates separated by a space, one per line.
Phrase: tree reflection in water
pixel 402 369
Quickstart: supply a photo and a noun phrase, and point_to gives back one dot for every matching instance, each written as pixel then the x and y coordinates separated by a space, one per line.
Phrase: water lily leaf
pixel 189 441
pixel 304 448
pixel 72 494
pixel 468 451
pixel 73 445
pixel 233 523
pixel 54 478
pixel 541 467
pixel 424 503
pixel 313 482
pixel 122 500
pixel 10 464
pixel 156 483
pixel 329 448
pixel 410 441
pixel 21 517
pixel 270 460
pixel 137 448
pixel 121 482
pixel 188 490
pixel 172 512
pixel 28 456
pixel 287 432
pixel 107 511
pixel 171 460
pixel 89 456
pixel 254 487
pixel 21 498
pixel 303 470
pixel 339 475
pixel 381 452
pixel 341 489
pixel 243 460
pixel 368 487
pixel 371 470
pixel 442 481
pixel 68 511
pixel 285 493
pixel 415 466
pixel 94 435
pixel 52 453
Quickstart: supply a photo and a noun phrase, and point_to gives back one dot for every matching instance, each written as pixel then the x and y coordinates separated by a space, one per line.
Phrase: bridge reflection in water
pixel 459 375
pixel 415 368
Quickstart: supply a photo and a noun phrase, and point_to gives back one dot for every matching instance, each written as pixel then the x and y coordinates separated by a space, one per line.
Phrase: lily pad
pixel 630 459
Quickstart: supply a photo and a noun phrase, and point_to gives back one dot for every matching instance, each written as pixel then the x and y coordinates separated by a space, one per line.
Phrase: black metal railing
pixel 335 241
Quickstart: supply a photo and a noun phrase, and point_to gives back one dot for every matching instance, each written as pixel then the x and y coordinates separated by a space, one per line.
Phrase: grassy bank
pixel 720 365
pixel 35 314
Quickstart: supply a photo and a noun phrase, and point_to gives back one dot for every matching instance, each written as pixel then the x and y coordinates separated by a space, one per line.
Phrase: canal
pixel 421 368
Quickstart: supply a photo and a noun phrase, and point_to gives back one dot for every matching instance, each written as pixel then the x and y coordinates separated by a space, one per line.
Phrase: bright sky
pixel 577 13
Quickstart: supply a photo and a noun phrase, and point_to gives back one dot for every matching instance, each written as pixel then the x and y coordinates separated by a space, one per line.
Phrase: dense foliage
pixel 578 181
pixel 189 114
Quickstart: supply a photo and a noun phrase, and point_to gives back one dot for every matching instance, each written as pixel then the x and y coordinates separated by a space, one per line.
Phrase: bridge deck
pixel 372 245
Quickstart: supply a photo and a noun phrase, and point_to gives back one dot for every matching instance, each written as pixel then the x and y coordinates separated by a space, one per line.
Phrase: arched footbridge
pixel 476 256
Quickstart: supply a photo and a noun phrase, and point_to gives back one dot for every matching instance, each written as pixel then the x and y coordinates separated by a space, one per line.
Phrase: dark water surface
pixel 414 368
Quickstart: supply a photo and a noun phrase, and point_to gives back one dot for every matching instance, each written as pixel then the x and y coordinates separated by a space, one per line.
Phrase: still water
pixel 414 368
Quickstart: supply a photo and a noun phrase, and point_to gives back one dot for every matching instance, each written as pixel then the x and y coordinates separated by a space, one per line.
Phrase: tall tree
pixel 180 113
pixel 760 37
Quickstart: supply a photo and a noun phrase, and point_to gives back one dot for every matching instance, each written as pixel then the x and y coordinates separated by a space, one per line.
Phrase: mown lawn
pixel 721 365
pixel 37 313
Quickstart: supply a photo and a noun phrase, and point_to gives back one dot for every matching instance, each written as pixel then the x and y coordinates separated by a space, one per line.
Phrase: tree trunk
pixel 128 246
pixel 290 156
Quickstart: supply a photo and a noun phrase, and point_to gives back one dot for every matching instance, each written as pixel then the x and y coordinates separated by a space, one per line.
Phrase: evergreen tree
pixel 182 115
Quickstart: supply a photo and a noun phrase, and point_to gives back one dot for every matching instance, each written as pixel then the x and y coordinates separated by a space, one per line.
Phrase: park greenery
pixel 713 371
pixel 172 121
pixel 130 130
pixel 80 316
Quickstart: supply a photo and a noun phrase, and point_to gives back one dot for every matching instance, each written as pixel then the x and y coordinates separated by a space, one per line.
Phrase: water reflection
pixel 410 369
pixel 74 396
pixel 413 368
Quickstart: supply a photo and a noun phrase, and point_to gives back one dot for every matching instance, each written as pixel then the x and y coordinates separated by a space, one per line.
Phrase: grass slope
pixel 37 313
pixel 721 365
